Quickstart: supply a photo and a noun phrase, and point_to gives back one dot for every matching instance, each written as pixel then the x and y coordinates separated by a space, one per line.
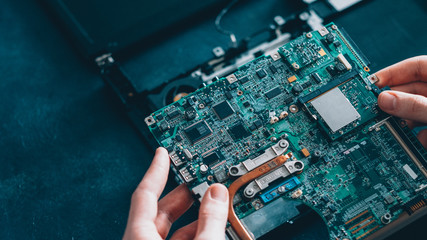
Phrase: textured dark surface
pixel 70 158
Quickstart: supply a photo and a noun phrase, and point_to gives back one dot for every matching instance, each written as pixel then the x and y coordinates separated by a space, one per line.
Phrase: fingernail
pixel 159 149
pixel 218 193
pixel 388 101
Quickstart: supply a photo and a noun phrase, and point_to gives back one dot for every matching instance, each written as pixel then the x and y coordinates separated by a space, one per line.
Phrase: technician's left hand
pixel 150 219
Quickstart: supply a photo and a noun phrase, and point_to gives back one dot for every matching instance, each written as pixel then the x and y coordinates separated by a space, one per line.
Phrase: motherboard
pixel 300 125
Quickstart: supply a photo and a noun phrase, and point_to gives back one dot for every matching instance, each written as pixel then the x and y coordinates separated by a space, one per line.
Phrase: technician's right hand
pixel 408 97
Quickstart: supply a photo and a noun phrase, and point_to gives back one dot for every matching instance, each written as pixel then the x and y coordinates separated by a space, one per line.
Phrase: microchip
pixel 246 104
pixel 220 175
pixel 325 198
pixel 164 126
pixel 326 159
pixel 273 69
pixel 330 38
pixel 337 44
pixel 335 109
pixel 223 110
pixel 238 131
pixel 261 73
pixel 197 131
pixel 174 114
pixel 244 79
pixel 340 67
pixel 258 123
pixel 159 116
pixel 289 100
pixel 211 158
pixel 244 208
pixel 228 95
pixel 273 93
pixel 331 70
pixel 388 199
pixel 178 138
pixel 306 84
pixel 233 86
pixel 207 100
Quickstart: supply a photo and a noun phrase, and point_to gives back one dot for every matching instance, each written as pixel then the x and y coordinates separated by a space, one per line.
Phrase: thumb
pixel 404 105
pixel 213 213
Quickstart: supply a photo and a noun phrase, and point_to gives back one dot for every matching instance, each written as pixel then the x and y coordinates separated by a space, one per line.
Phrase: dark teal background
pixel 70 157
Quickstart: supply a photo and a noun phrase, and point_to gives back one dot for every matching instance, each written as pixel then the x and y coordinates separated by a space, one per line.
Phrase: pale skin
pixel 408 97
pixel 151 219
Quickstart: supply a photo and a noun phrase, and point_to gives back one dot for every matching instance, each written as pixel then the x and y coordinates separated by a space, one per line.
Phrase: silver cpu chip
pixel 335 109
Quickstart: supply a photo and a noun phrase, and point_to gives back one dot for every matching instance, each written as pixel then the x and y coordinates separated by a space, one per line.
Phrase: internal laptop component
pixel 299 126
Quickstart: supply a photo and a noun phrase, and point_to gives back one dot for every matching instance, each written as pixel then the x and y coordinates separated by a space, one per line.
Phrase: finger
pixel 413 124
pixel 171 207
pixel 213 213
pixel 404 105
pixel 409 70
pixel 144 199
pixel 419 88
pixel 422 137
pixel 186 232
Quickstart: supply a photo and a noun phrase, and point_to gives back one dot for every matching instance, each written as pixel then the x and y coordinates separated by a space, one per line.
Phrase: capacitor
pixel 204 168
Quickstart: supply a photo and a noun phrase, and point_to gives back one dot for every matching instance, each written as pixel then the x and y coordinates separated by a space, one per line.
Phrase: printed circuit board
pixel 299 125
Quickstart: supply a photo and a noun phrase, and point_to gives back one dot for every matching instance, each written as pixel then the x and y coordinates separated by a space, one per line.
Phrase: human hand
pixel 407 100
pixel 151 219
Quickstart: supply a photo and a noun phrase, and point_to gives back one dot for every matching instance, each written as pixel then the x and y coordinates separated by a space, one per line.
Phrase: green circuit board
pixel 315 98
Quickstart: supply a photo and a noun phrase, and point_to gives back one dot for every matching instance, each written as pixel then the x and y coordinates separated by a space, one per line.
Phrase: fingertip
pixel 422 137
pixel 380 75
pixel 387 101
pixel 213 213
pixel 162 155
pixel 161 150
pixel 218 192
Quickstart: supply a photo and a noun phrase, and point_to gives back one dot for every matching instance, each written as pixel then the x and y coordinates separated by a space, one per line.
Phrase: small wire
pixel 218 23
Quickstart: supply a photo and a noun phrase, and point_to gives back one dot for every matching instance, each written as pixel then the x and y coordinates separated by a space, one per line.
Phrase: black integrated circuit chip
pixel 273 93
pixel 211 158
pixel 238 132
pixel 223 110
pixel 288 100
pixel 174 114
pixel 244 79
pixel 261 73
pixel 273 69
pixel 164 126
pixel 197 131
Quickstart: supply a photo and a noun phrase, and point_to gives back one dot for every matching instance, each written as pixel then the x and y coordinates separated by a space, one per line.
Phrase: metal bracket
pixel 261 183
pixel 250 164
